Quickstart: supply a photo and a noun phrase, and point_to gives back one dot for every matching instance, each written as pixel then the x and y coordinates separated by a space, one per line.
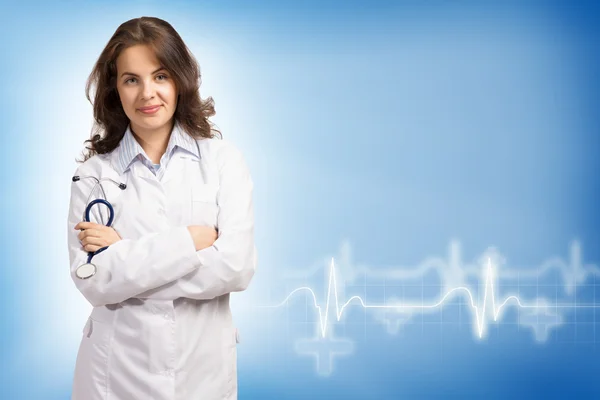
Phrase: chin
pixel 150 123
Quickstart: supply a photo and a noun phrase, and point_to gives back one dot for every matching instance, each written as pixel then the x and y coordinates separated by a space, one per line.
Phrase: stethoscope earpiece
pixel 121 186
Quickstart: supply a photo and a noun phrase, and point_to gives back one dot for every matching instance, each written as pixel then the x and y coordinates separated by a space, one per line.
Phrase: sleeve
pixel 229 264
pixel 127 267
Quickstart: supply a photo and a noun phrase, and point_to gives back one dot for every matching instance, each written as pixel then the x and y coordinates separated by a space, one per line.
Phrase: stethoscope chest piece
pixel 85 271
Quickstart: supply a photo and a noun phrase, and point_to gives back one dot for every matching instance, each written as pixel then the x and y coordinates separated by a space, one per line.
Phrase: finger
pixel 91 232
pixel 91 248
pixel 96 241
pixel 87 225
pixel 83 225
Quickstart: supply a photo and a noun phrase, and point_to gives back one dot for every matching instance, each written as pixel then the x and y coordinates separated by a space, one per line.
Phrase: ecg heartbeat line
pixel 479 311
pixel 486 306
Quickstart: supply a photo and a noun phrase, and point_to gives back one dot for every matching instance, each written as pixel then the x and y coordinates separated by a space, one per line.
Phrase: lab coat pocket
pixel 157 333
pixel 91 367
pixel 230 340
pixel 204 208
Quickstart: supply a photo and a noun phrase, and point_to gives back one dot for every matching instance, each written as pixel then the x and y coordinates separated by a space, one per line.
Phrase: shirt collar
pixel 129 148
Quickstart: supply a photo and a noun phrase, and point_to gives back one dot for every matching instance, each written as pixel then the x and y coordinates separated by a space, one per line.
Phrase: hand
pixel 204 236
pixel 95 236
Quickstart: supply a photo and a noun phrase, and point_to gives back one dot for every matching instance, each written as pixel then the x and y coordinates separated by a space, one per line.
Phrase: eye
pixel 163 76
pixel 130 79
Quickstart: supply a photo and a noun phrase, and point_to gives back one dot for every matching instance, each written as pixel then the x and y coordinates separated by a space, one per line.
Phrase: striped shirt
pixel 131 151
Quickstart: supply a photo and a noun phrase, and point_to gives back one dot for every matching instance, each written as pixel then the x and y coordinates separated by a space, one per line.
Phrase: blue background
pixel 376 132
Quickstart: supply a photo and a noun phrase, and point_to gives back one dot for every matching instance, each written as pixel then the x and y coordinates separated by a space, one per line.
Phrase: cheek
pixel 169 95
pixel 127 100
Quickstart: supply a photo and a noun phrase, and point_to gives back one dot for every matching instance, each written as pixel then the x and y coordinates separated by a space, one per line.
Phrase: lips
pixel 149 109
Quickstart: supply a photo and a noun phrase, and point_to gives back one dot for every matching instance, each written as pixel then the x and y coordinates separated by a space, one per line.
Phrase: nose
pixel 148 90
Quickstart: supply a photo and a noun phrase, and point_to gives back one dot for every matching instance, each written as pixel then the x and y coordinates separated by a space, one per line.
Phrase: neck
pixel 154 142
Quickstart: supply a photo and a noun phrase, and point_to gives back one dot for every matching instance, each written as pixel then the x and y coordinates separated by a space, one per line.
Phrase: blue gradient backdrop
pixel 384 128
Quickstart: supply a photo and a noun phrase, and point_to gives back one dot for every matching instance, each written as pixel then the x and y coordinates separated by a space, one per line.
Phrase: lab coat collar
pixel 129 148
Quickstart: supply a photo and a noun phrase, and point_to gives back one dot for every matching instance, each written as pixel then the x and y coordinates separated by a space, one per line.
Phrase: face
pixel 147 91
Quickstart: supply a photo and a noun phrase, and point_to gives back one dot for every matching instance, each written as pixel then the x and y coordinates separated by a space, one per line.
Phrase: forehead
pixel 138 58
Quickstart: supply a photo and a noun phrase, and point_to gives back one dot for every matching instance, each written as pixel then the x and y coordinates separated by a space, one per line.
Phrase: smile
pixel 149 110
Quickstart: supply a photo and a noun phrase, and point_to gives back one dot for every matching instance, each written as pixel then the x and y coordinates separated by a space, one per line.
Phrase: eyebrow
pixel 132 74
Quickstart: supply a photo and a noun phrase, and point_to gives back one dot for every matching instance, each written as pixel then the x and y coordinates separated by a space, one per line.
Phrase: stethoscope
pixel 87 270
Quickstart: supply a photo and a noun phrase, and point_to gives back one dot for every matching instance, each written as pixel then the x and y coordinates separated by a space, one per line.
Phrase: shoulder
pixel 94 165
pixel 220 151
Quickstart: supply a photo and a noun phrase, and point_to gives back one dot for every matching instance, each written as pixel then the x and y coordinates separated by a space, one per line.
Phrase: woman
pixel 182 236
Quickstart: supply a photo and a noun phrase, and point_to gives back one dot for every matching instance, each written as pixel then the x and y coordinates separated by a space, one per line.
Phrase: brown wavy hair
pixel 192 113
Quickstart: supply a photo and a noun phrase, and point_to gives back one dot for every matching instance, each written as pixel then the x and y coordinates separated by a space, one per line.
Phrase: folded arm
pixel 229 264
pixel 128 267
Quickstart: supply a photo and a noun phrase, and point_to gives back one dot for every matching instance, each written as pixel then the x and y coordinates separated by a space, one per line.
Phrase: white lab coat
pixel 161 326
